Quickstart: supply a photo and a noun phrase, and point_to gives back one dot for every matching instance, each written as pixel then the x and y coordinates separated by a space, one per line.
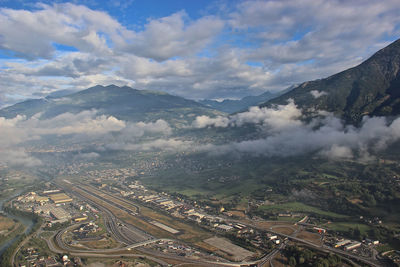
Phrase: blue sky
pixel 133 13
pixel 195 49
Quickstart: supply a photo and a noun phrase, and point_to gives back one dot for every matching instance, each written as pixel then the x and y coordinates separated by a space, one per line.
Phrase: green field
pixel 299 207
pixel 345 226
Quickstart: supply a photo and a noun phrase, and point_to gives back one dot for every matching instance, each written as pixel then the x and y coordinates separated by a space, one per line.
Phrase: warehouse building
pixel 60 214
pixel 352 245
pixel 60 198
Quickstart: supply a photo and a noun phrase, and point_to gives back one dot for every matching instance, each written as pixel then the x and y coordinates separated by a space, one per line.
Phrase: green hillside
pixel 371 88
pixel 121 102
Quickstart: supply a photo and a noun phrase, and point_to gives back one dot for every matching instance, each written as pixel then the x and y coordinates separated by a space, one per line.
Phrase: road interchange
pixel 120 231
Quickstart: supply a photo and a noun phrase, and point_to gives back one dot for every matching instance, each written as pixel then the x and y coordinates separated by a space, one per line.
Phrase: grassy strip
pixel 346 226
pixel 299 207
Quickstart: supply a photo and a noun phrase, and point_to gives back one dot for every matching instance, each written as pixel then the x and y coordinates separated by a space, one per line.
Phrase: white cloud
pixel 67 24
pixel 87 156
pixel 84 127
pixel 18 157
pixel 317 94
pixel 172 145
pixel 276 118
pixel 20 129
pixel 16 131
pixel 288 135
pixel 254 46
pixel 168 37
pixel 333 140
pixel 338 152
pixel 206 121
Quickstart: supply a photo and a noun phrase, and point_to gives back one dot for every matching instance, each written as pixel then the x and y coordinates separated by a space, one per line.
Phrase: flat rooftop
pixel 238 253
pixel 60 198
pixel 165 227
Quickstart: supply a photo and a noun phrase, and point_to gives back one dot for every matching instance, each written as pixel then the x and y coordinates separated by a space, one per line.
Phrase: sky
pixel 195 49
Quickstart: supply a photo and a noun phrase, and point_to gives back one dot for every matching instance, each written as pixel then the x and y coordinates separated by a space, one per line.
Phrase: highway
pixel 114 196
pixel 95 253
pixel 159 257
pixel 324 248
pixel 132 237
pixel 121 231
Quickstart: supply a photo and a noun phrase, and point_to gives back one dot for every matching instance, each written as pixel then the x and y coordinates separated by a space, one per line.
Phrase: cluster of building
pixel 174 247
pixel 75 168
pixel 84 230
pixel 393 255
pixel 112 173
pixel 350 245
pixel 181 209
pixel 32 258
pixel 372 221
pixel 51 204
pixel 53 196
pixel 176 208
pixel 189 210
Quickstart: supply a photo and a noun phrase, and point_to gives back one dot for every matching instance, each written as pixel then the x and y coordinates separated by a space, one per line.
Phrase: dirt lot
pixel 6 223
pixel 284 230
pixel 311 237
pixel 104 243
pixel 266 225
pixel 237 213
pixel 238 253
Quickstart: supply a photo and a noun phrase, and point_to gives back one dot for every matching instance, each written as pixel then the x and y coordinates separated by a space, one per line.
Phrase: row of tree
pixel 299 256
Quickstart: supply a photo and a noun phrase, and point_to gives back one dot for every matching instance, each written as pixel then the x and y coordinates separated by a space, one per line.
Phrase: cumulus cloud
pixel 18 157
pixel 15 131
pixel 129 138
pixel 20 129
pixel 250 48
pixel 205 121
pixel 338 152
pixel 83 126
pixel 277 117
pixel 87 156
pixel 85 122
pixel 67 24
pixel 287 134
pixel 172 145
pixel 140 128
pixel 328 136
pixel 317 94
pixel 96 32
pixel 169 37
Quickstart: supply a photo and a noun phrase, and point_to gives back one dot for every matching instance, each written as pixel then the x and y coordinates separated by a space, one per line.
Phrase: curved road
pixel 121 236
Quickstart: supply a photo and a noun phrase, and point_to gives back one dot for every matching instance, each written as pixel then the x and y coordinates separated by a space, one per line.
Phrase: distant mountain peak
pixel 123 103
pixel 233 106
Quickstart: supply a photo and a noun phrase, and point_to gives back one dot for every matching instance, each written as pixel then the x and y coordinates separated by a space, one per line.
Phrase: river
pixel 27 222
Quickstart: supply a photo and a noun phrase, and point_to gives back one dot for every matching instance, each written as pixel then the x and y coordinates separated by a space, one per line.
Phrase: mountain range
pixel 124 103
pixel 371 88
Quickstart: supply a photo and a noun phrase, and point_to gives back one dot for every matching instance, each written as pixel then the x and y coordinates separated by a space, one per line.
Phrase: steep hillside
pixel 371 88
